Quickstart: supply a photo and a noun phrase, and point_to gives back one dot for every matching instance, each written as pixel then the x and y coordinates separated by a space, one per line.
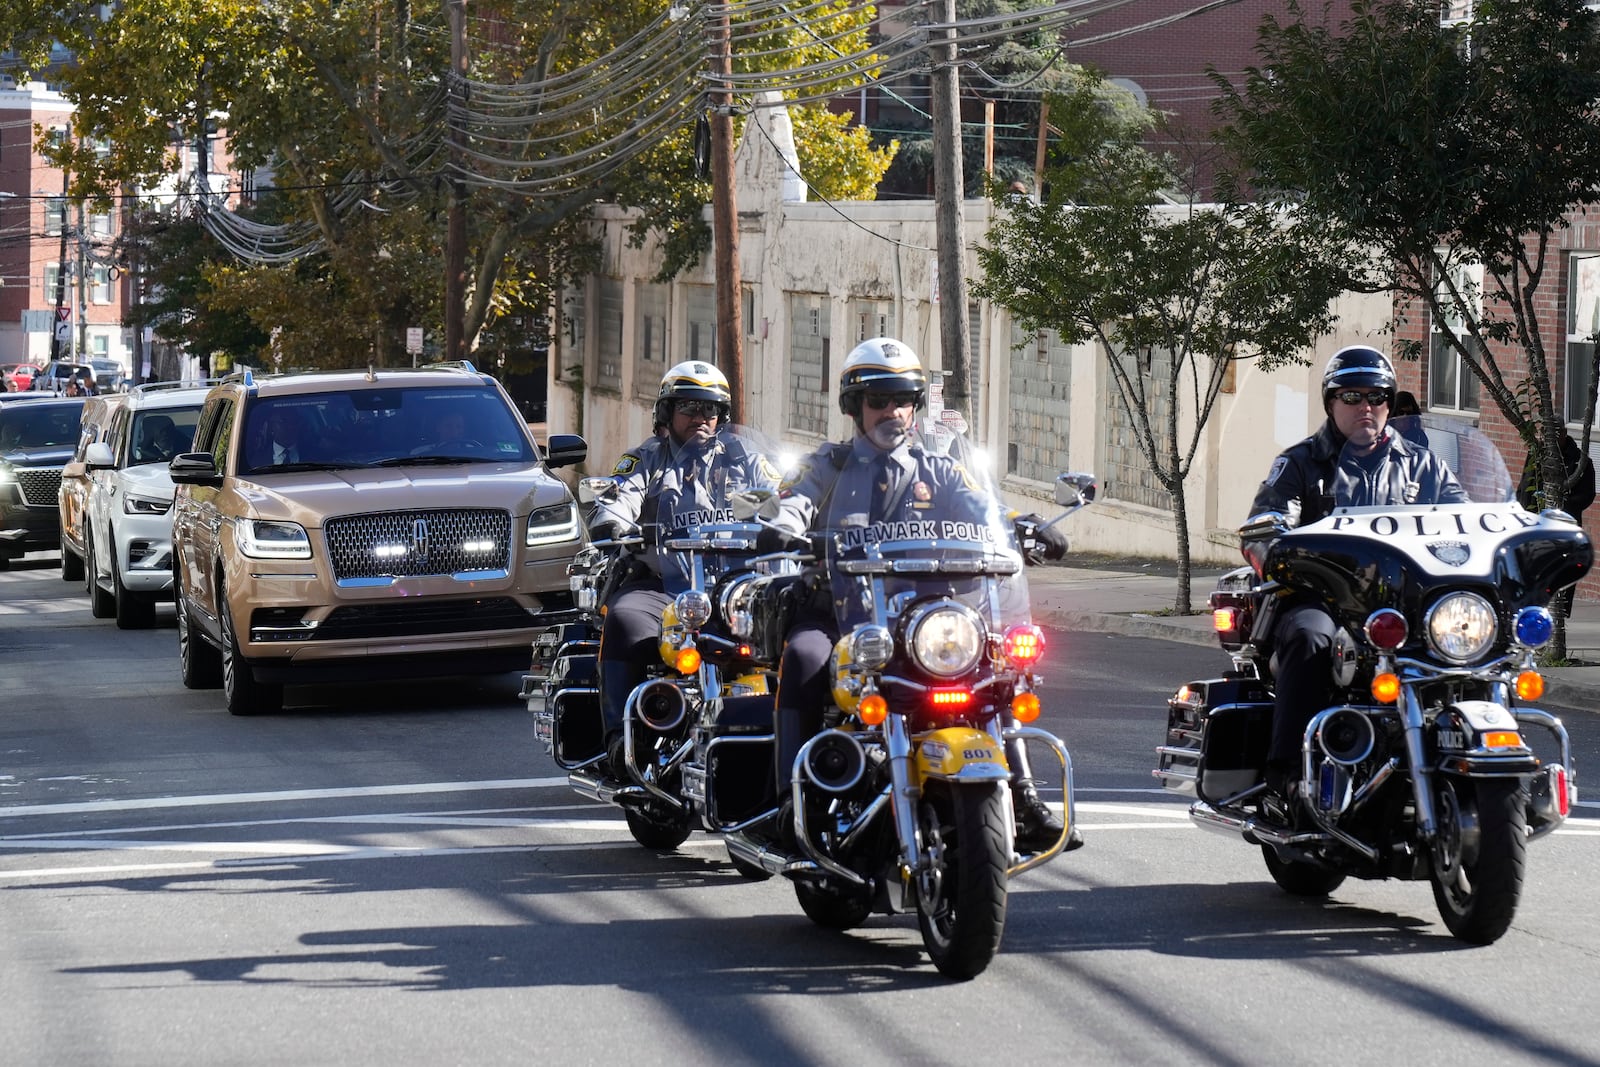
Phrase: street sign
pixel 63 324
pixel 37 320
pixel 413 339
pixel 953 419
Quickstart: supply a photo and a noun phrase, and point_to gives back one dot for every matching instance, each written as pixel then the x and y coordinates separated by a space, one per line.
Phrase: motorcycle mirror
pixel 1074 486
pixel 751 504
pixel 592 489
pixel 1267 524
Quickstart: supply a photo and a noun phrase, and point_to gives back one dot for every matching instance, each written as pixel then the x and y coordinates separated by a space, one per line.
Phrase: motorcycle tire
pixel 1480 855
pixel 1300 879
pixel 659 832
pixel 834 908
pixel 749 871
pixel 966 829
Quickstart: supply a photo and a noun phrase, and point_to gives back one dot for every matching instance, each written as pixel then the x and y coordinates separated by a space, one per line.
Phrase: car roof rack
pixel 154 387
pixel 451 364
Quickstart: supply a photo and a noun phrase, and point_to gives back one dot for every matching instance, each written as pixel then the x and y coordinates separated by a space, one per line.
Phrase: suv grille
pixel 39 486
pixel 409 544
pixel 423 617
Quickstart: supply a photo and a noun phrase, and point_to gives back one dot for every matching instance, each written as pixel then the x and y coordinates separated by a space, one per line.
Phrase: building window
pixel 100 287
pixel 1583 326
pixel 55 215
pixel 99 224
pixel 52 278
pixel 1451 384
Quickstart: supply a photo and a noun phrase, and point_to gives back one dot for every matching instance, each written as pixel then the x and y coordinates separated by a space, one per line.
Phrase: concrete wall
pixel 820 276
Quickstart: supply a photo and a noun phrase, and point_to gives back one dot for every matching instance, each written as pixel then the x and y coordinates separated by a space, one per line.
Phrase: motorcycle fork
pixel 906 792
pixel 1421 772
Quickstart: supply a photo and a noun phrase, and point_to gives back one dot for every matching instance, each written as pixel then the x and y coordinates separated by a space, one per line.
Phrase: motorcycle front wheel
pixel 834 907
pixel 1479 854
pixel 1300 879
pixel 961 901
pixel 656 828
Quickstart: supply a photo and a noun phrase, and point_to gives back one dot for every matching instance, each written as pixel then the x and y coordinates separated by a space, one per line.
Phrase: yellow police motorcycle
pixel 902 801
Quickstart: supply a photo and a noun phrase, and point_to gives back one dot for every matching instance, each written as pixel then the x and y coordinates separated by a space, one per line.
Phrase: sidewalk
pixel 1127 597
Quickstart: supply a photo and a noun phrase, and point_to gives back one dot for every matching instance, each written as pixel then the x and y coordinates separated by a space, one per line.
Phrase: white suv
pixel 128 521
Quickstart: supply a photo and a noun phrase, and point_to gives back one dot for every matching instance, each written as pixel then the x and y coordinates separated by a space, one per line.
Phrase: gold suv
pixel 356 525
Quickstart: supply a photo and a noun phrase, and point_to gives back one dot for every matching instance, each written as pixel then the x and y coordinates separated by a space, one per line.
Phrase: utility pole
pixel 455 237
pixel 81 353
pixel 61 273
pixel 950 238
pixel 725 219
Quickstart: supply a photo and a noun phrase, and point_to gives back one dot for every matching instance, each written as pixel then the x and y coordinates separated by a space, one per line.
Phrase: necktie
pixel 882 476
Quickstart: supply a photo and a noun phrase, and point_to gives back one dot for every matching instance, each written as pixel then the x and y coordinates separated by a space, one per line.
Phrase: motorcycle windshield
pixel 1470 454
pixel 930 526
pixel 688 505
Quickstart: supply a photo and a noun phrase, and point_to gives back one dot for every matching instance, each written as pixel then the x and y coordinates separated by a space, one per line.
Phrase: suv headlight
pixel 146 505
pixel 553 524
pixel 266 539
pixel 7 475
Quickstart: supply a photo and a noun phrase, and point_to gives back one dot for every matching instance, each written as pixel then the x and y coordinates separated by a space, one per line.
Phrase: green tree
pixel 349 102
pixel 1171 293
pixel 1440 152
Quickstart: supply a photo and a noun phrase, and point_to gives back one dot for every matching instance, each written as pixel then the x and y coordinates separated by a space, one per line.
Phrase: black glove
pixel 1038 541
pixel 772 539
pixel 609 530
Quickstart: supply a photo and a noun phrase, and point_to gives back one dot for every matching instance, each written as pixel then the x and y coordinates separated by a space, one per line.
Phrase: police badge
pixel 1450 553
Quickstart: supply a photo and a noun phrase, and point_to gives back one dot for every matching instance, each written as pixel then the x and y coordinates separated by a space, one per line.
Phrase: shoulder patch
pixel 1278 466
pixel 966 476
pixel 626 464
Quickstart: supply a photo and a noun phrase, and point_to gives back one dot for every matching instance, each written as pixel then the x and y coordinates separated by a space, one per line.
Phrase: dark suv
pixel 365 525
pixel 36 440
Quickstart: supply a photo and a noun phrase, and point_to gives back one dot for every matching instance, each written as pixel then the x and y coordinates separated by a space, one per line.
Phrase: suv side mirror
pixel 98 456
pixel 194 468
pixel 564 450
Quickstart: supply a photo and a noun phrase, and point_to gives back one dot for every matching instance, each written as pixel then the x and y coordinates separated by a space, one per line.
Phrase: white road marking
pixel 151 803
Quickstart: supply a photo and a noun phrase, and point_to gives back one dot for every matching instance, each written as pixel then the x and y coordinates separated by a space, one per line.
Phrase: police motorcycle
pixel 1433 762
pixel 562 687
pixel 902 801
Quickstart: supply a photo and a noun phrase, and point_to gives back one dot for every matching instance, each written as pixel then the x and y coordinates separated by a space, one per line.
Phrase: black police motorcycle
pixel 1426 765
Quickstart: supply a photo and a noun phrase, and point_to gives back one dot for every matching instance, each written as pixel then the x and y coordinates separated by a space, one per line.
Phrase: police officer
pixel 1354 460
pixel 881 387
pixel 680 476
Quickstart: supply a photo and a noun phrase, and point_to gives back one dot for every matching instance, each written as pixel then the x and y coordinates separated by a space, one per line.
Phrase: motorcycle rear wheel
pixel 1480 855
pixel 657 830
pixel 963 922
pixel 834 908
pixel 1300 879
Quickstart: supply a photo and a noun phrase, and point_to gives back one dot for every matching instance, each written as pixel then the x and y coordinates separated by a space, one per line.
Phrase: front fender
pixel 961 754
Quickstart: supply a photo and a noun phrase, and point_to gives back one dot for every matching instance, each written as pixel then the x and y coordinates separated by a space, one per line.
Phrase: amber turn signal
pixel 1530 685
pixel 688 660
pixel 1386 688
pixel 1025 707
pixel 873 710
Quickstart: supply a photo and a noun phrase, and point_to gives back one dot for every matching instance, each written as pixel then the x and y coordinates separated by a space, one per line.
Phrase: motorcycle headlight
pixel 693 608
pixel 261 539
pixel 947 640
pixel 1462 627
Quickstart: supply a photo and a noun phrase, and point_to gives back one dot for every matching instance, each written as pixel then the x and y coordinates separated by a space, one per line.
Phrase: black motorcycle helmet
pixel 1357 367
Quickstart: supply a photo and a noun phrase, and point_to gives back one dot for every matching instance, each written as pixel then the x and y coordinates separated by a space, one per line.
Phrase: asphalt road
pixel 395 875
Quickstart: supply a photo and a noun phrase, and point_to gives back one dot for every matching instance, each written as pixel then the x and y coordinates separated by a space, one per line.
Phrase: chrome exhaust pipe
pixel 1346 736
pixel 658 704
pixel 834 761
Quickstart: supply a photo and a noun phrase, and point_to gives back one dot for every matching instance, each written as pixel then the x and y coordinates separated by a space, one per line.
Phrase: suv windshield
pixel 162 433
pixel 383 427
pixel 28 426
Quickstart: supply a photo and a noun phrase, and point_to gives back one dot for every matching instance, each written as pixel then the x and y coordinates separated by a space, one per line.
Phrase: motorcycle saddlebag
pixel 739 760
pixel 1218 731
pixel 1233 608
pixel 574 705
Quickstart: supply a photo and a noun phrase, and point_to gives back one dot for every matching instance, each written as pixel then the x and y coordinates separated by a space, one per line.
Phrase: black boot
pixel 617 756
pixel 1038 828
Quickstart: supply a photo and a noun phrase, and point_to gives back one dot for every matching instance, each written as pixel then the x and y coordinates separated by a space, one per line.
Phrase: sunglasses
pixel 698 409
pixel 879 401
pixel 1375 397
